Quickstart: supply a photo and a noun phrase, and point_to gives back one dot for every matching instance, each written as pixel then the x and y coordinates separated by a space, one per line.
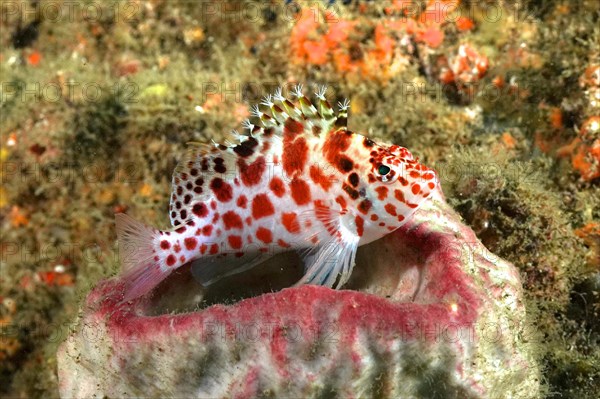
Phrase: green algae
pixel 518 217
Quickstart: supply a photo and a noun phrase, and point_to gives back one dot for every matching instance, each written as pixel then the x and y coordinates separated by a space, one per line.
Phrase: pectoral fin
pixel 333 258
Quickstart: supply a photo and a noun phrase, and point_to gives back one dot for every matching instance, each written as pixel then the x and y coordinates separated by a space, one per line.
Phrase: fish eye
pixel 386 174
pixel 383 170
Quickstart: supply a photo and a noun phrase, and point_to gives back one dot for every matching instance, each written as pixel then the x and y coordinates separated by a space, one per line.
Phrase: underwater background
pixel 99 98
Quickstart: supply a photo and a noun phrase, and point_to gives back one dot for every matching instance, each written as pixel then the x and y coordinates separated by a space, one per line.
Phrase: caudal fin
pixel 141 270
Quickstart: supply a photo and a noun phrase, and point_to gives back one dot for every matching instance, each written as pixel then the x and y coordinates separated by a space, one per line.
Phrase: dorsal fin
pixel 317 116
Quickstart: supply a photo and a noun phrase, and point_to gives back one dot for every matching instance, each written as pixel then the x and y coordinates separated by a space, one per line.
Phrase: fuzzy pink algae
pixel 429 313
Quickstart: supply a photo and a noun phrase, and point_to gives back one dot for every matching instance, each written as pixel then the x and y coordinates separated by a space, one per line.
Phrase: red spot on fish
pixel 262 206
pixel 164 244
pixel 403 181
pixel 360 225
pixel 222 190
pixel 295 156
pixel 399 195
pixel 232 220
pixel 207 230
pixel 374 217
pixel 251 174
pixel 414 174
pixel 400 218
pixel 200 210
pixel 235 242
pixel 431 185
pixel 283 244
pixel 364 206
pixel 290 222
pixel 214 249
pixel 352 193
pixel 242 201
pixel 177 248
pixel 190 243
pixel 264 235
pixel 180 230
pixel 342 201
pixel 416 188
pixel 336 144
pixel 213 205
pixel 319 178
pixel 292 128
pixel 249 221
pixel 215 218
pixel 391 209
pixel 300 191
pixel 277 187
pixel 382 193
pixel 344 164
pixel 171 260
pixel 353 179
pixel 182 259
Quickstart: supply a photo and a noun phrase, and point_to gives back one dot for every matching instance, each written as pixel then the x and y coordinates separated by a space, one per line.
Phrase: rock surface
pixel 429 313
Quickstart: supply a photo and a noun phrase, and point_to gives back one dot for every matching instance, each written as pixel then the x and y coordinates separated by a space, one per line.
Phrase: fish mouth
pixel 252 334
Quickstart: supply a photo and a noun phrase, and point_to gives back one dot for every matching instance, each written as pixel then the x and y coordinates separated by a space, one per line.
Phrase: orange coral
pixel 53 278
pixel 341 44
pixel 508 140
pixel 589 230
pixel 585 149
pixel 34 58
pixel 587 161
pixel 17 217
pixel 556 118
pixel 590 234
pixel 464 23
pixel 590 77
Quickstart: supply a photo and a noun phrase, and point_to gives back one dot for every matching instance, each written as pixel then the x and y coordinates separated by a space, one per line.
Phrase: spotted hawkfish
pixel 298 180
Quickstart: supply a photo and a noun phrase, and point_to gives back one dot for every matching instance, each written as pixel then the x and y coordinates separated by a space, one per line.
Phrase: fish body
pixel 299 180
